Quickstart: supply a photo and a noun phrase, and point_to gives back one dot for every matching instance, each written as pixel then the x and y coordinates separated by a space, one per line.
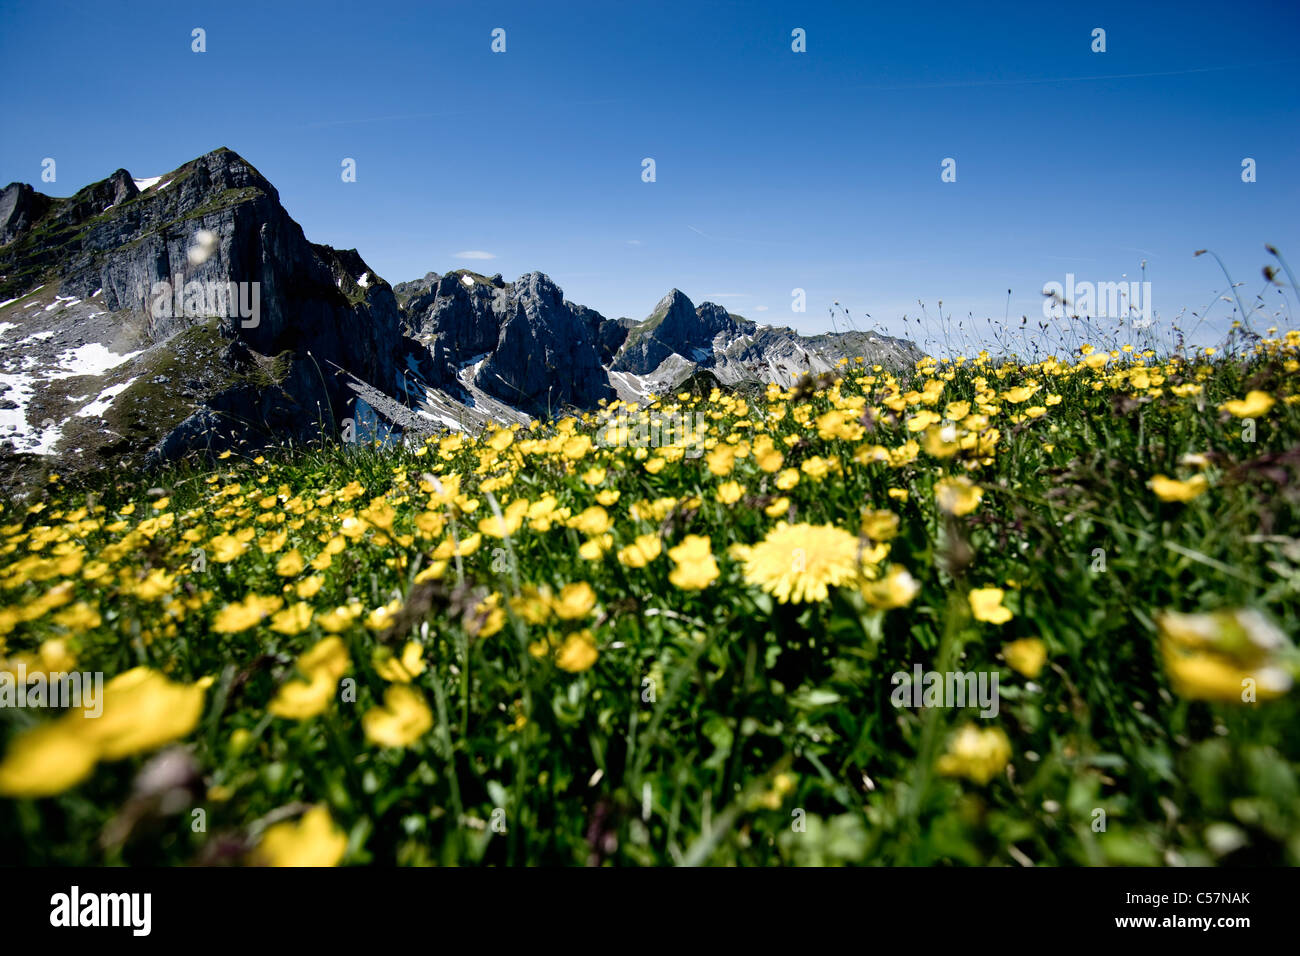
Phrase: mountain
pixel 143 319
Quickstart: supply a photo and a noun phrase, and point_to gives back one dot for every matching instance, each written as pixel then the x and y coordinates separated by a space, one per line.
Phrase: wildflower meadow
pixel 759 643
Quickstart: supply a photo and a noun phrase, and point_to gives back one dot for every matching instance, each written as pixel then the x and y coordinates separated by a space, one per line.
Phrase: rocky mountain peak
pixel 120 335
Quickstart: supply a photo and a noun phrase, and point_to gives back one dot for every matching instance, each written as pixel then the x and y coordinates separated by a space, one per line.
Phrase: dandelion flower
pixel 797 563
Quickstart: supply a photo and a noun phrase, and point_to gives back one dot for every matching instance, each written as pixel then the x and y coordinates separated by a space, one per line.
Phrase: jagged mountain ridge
pixel 97 368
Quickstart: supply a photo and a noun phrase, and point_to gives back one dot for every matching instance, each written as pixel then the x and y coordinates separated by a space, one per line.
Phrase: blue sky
pixel 775 170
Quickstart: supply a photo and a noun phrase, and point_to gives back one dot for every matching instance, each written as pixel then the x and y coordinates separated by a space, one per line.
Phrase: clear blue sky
pixel 775 169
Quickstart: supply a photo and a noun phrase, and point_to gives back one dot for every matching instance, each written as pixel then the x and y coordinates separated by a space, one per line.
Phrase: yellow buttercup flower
pixel 292 620
pixel 289 564
pixel 575 601
pixel 895 588
pixel 1232 656
pixel 644 549
pixel 879 525
pixel 957 496
pixel 986 605
pixel 313 840
pixel 403 719
pixel 729 492
pixel 695 567
pixel 1169 489
pixel 47 759
pixel 1255 404
pixel 777 508
pixel 322 667
pixel 240 617
pixel 1027 656
pixel 979 755
pixel 404 669
pixel 142 710
pixel 577 653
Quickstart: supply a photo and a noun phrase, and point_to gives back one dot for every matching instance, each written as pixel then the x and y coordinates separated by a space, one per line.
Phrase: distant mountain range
pixel 142 319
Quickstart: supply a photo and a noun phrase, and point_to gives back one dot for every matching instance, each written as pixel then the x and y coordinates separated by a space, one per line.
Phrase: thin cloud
pixel 475 254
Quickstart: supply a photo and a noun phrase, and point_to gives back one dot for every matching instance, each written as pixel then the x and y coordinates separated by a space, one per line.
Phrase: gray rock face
pixel 20 206
pixel 677 340
pixel 456 319
pixel 171 266
pixel 546 357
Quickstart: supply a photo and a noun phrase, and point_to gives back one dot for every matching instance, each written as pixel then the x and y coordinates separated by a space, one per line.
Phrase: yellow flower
pixel 240 617
pixel 594 521
pixel 1169 489
pixel 308 587
pixel 593 549
pixel 1233 656
pixel 986 605
pixel 225 548
pixel 322 666
pixel 1021 394
pixel 768 458
pixel 577 653
pixel 641 551
pixel 575 601
pixel 400 670
pixel 778 507
pixel 80 617
pixel 576 447
pixel 403 719
pixel 816 467
pixel 382 617
pixel 879 525
pixel 293 619
pixel 957 496
pixel 895 588
pixel 787 479
pixel 47 759
pixel 1255 404
pixel 721 460
pixel 729 492
pixel 339 619
pixel 289 565
pixel 797 563
pixel 143 710
pixel 313 840
pixel 978 755
pixel 695 567
pixel 1027 655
